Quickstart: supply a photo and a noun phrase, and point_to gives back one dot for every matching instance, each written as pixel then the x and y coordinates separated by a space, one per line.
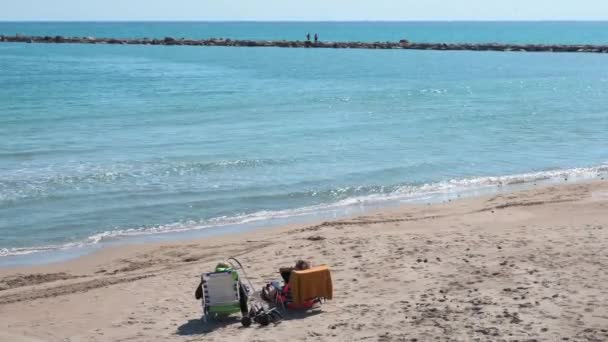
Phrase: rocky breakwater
pixel 402 45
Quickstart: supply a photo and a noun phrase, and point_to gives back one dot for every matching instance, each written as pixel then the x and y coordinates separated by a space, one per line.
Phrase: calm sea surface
pixel 103 142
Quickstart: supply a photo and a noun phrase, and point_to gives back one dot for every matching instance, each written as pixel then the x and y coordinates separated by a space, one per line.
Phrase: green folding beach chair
pixel 224 293
pixel 221 294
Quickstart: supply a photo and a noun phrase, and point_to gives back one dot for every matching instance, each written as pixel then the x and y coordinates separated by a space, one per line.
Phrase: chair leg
pixel 280 302
pixel 243 301
pixel 205 317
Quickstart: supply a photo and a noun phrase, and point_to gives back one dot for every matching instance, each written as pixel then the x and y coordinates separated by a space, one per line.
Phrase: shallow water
pixel 98 143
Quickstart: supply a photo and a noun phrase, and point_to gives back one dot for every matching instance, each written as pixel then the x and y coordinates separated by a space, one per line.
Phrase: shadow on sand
pixel 300 314
pixel 199 327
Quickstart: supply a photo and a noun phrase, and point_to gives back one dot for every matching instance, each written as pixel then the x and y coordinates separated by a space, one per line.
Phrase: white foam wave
pixel 405 192
pixel 34 182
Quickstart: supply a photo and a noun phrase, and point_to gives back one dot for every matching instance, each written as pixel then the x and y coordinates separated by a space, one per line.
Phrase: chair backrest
pixel 220 288
pixel 312 283
pixel 285 273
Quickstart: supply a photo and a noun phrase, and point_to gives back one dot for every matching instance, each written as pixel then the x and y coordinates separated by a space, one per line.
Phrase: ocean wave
pixel 41 182
pixel 374 195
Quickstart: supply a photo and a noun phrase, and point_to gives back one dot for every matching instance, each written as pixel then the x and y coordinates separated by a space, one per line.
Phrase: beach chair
pixel 223 295
pixel 227 291
pixel 306 288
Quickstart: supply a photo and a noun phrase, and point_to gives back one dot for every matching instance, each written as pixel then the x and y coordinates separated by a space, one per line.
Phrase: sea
pixel 112 144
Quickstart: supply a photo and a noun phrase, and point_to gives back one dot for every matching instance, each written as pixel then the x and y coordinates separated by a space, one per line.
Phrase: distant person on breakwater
pixel 308 37
pixel 316 37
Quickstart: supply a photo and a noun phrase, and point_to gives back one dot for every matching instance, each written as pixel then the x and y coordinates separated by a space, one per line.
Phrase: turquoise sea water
pixel 100 143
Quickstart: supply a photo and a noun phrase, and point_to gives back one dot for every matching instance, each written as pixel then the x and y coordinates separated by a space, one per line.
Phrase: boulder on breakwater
pixel 403 44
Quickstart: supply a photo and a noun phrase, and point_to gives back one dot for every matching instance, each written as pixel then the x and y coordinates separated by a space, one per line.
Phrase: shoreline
pixel 508 266
pixel 400 45
pixel 125 249
pixel 433 193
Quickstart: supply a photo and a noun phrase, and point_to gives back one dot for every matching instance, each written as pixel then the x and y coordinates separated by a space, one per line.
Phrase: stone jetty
pixel 401 45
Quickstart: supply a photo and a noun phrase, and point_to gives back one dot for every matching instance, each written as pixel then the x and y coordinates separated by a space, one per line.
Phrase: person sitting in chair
pixel 284 294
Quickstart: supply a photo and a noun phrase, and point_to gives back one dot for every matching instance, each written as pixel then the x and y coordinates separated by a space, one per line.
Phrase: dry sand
pixel 530 265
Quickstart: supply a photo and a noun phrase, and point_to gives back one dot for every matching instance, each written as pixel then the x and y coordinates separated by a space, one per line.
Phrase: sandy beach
pixel 523 266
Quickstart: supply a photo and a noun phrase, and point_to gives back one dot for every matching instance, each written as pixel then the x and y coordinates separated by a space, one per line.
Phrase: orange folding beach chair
pixel 307 287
